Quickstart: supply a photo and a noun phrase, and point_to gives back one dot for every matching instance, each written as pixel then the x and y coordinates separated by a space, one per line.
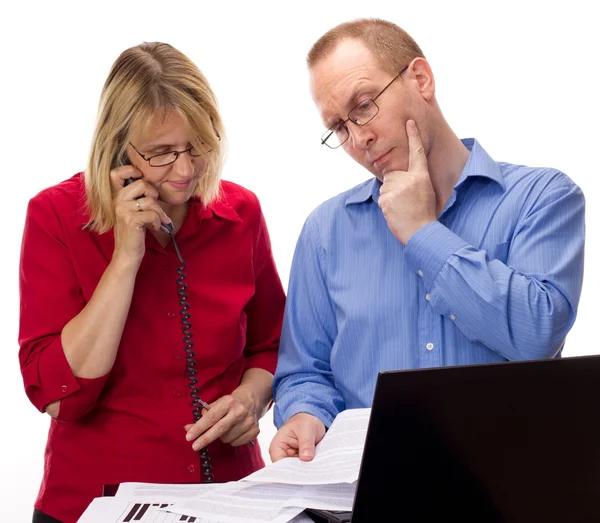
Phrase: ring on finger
pixel 137 204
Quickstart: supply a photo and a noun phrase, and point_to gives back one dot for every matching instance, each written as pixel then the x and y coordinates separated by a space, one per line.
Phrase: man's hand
pixel 407 198
pixel 297 438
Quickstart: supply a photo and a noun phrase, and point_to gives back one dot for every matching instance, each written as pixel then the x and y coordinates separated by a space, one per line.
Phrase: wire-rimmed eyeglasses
pixel 169 157
pixel 361 114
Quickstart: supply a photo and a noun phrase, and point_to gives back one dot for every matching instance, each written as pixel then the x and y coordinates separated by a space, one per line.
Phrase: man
pixel 446 257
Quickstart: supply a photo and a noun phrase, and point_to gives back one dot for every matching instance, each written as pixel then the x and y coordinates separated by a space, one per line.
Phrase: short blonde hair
pixel 144 79
pixel 393 47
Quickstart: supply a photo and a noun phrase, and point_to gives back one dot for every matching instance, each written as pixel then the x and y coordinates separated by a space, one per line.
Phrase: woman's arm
pixel 255 390
pixel 234 418
pixel 75 363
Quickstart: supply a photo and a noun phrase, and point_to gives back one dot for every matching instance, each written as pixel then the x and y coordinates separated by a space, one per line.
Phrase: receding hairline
pixel 392 46
pixel 379 62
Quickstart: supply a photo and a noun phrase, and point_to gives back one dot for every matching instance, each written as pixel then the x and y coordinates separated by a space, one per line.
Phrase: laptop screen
pixel 508 442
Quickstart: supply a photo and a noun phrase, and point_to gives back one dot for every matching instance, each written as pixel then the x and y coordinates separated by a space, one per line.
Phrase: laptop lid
pixel 506 442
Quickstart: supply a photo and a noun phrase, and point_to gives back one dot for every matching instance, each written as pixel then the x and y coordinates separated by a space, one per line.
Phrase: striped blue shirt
pixel 496 278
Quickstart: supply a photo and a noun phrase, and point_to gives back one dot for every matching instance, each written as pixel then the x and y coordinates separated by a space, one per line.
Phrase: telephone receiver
pixel 168 228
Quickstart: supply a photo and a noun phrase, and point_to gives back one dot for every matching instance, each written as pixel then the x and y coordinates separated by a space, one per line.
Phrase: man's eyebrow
pixel 350 104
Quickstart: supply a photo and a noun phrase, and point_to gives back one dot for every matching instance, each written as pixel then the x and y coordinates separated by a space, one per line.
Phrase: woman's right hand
pixel 136 207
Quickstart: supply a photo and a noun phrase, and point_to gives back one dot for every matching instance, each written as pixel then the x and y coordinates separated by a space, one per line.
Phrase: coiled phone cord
pixel 190 358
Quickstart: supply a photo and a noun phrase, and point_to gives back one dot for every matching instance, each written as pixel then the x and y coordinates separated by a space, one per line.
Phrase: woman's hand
pixel 136 207
pixel 232 418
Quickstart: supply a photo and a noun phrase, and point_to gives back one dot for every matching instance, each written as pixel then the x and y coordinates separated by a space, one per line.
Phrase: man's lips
pixel 382 159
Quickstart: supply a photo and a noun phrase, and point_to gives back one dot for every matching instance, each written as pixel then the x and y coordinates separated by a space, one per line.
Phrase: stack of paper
pixel 276 494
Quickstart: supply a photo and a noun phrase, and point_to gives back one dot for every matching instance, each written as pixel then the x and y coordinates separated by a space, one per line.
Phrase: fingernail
pixel 189 436
pixel 306 452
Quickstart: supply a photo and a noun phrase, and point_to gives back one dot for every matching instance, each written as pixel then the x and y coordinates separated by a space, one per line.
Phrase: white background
pixel 520 76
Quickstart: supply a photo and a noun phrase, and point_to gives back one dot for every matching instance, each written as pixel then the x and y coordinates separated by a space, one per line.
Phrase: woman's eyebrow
pixel 157 145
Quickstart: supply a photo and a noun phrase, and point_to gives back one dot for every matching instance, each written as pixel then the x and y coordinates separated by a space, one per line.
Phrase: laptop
pixel 506 442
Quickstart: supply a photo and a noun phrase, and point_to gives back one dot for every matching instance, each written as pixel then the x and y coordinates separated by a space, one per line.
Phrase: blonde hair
pixel 144 79
pixel 393 47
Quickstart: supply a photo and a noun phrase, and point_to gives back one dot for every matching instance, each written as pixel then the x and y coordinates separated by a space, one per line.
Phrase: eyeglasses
pixel 361 114
pixel 163 159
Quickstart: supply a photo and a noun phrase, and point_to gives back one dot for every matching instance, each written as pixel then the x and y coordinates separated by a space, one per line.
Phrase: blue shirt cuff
pixel 429 249
pixel 296 408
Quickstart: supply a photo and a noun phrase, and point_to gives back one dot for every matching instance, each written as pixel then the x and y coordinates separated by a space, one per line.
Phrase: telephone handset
pixel 166 227
pixel 190 358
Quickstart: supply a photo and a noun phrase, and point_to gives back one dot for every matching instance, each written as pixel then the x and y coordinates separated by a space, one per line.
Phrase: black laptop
pixel 508 442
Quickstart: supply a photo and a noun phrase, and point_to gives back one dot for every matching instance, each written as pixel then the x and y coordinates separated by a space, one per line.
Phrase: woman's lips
pixel 180 185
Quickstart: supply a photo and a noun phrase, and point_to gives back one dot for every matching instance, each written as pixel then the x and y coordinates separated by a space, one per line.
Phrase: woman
pixel 106 301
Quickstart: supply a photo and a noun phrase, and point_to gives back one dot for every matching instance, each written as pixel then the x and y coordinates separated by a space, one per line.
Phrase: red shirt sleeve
pixel 264 311
pixel 50 297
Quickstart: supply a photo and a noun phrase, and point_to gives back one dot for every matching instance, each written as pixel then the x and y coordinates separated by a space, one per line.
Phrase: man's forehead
pixel 339 76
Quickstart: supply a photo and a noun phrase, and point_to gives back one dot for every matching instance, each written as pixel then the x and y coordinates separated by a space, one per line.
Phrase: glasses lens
pixel 335 136
pixel 364 112
pixel 160 160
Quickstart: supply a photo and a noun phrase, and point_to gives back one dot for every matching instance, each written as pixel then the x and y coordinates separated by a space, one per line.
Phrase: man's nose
pixel 362 136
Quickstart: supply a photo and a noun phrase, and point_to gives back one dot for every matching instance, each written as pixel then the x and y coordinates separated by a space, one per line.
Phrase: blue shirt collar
pixel 480 163
pixel 365 191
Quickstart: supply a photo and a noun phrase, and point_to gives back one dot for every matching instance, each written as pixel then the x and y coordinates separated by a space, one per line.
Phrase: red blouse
pixel 128 425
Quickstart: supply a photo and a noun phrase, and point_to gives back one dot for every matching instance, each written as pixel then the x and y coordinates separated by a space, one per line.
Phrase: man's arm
pixel 522 309
pixel 304 380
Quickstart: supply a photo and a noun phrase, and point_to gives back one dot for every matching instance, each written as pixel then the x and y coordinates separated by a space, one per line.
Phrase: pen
pixel 207 407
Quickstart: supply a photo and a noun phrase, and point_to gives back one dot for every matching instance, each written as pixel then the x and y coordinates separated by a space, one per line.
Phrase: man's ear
pixel 422 74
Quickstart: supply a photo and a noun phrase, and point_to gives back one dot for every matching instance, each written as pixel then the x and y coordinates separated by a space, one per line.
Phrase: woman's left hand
pixel 232 419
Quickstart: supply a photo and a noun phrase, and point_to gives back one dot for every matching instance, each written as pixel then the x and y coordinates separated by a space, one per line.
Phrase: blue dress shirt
pixel 496 278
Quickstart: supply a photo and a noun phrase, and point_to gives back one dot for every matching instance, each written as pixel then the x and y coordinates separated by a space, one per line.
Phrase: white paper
pixel 302 518
pixel 226 513
pixel 123 510
pixel 266 502
pixel 276 494
pixel 337 457
pixel 249 504
pixel 166 492
pixel 325 497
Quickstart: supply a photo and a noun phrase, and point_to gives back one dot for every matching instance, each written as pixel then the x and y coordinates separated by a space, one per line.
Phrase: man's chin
pixel 380 173
pixel 374 171
pixel 387 169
